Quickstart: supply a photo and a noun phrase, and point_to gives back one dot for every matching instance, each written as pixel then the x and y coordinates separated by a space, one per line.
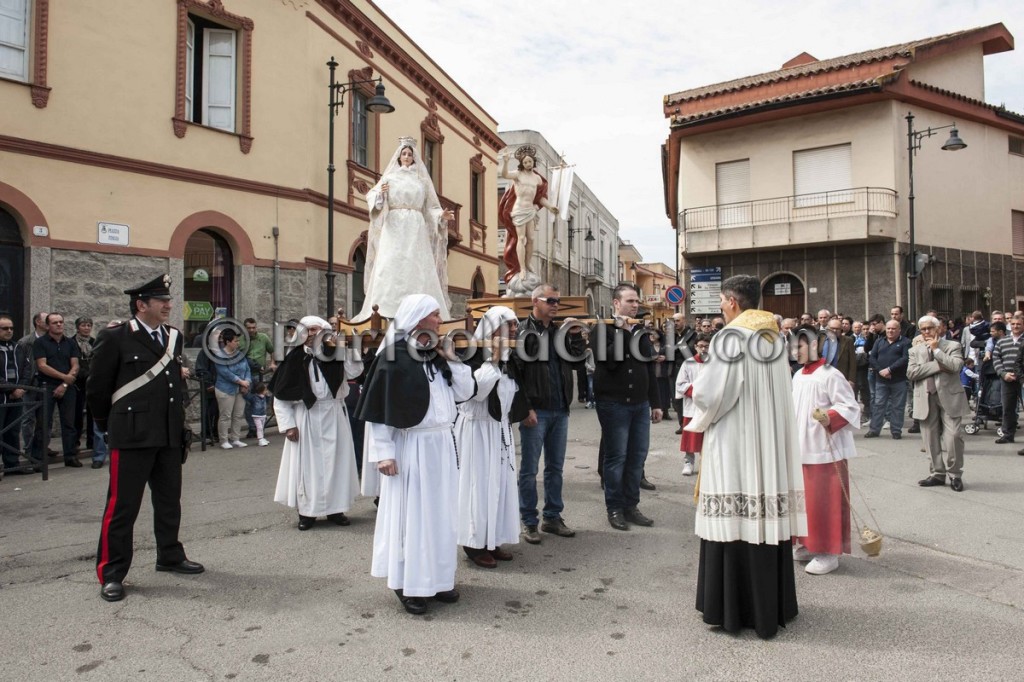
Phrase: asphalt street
pixel 942 602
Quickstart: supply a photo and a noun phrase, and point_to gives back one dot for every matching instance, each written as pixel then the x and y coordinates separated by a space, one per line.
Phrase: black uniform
pixel 144 431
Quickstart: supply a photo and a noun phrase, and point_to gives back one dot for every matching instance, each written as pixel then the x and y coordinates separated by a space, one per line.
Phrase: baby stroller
pixel 990 405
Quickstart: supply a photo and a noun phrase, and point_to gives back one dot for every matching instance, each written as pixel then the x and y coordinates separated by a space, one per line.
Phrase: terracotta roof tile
pixel 900 51
pixel 868 84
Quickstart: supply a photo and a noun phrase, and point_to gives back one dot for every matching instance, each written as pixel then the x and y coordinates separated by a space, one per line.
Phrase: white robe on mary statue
pixel 414 544
pixel 488 483
pixel 318 472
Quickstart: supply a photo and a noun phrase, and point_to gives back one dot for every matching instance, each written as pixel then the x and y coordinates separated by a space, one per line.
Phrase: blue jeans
pixel 550 433
pixel 625 435
pixel 890 402
pixel 99 445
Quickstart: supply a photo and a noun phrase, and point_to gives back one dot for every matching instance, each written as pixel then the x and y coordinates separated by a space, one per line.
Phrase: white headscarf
pixel 315 321
pixel 492 320
pixel 411 310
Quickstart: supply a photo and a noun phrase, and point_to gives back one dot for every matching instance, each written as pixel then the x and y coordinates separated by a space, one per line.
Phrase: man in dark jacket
pixel 135 391
pixel 545 371
pixel 888 359
pixel 627 402
pixel 15 370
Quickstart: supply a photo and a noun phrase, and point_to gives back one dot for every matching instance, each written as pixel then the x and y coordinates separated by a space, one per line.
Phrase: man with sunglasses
pixel 545 375
pixel 14 369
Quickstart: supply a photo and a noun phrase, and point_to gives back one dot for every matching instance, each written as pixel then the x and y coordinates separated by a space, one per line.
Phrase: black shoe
pixel 957 485
pixel 635 516
pixel 871 434
pixel 417 606
pixel 185 566
pixel 1021 452
pixel 617 520
pixel 932 481
pixel 679 431
pixel 556 526
pixel 1004 439
pixel 339 519
pixel 447 597
pixel 897 436
pixel 97 465
pixel 647 485
pixel 306 522
pixel 112 591
pixel 73 463
pixel 916 428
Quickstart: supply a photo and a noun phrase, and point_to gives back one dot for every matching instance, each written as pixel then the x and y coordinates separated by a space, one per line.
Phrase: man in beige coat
pixel 939 401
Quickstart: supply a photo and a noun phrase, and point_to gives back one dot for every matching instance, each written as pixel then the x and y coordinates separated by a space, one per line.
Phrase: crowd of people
pixel 429 433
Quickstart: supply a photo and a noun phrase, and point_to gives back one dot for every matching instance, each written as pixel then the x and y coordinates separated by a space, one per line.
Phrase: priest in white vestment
pixel 318 467
pixel 408 404
pixel 751 501
pixel 826 414
pixel 488 482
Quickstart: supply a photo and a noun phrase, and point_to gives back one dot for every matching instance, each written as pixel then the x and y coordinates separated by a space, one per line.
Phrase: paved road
pixel 942 602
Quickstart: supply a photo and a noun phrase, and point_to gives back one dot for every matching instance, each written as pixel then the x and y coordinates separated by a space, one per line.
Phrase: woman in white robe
pixel 407 243
pixel 827 412
pixel 488 483
pixel 317 475
pixel 414 544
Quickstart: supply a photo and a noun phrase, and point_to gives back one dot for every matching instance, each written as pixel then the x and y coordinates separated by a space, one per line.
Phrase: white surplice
pixel 751 485
pixel 318 472
pixel 827 389
pixel 488 485
pixel 414 543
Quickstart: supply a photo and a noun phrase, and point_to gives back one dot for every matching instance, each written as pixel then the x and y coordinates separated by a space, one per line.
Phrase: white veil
pixel 437 229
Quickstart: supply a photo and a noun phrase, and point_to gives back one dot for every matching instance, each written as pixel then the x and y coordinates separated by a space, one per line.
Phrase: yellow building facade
pixel 191 137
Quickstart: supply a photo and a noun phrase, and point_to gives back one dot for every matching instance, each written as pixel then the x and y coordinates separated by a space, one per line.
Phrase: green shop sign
pixel 198 311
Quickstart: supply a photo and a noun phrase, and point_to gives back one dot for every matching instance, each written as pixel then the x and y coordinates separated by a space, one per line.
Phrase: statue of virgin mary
pixel 407 250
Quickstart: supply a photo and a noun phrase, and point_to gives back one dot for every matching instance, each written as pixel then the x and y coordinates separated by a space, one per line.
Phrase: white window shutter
pixel 820 174
pixel 732 193
pixel 14 39
pixel 219 67
pixel 190 63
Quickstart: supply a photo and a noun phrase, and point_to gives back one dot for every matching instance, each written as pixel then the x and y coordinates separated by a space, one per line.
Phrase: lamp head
pixel 954 143
pixel 379 104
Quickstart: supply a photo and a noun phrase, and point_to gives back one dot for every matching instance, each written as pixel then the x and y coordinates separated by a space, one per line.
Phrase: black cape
pixel 397 392
pixel 520 406
pixel 291 380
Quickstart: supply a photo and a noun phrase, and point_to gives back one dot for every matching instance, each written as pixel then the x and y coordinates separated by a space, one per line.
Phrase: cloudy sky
pixel 590 75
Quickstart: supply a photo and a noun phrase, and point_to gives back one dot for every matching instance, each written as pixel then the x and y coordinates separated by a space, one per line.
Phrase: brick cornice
pixel 120 163
pixel 372 36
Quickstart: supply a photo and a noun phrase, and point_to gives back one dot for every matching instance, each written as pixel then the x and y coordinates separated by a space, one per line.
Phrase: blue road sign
pixel 675 295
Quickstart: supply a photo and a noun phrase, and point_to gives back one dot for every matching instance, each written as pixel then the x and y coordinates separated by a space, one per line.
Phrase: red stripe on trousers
pixel 108 515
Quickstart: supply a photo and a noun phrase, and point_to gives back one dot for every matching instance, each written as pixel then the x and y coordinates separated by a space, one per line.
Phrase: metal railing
pixel 593 267
pixel 880 201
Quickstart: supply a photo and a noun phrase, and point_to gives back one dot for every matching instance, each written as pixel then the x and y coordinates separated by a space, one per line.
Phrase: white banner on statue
pixel 560 189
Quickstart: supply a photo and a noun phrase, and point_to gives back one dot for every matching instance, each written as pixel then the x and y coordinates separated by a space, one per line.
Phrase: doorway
pixel 783 294
pixel 12 272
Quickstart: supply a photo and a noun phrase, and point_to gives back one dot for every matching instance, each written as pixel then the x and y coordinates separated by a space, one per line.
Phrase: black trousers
pixel 9 413
pixel 1011 392
pixel 581 384
pixel 130 471
pixel 65 406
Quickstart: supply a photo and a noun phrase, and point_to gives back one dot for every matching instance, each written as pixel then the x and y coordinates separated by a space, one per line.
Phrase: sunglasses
pixel 6 329
pixel 551 300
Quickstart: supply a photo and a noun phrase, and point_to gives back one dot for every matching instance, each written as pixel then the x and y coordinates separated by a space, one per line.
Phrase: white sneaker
pixel 800 553
pixel 687 468
pixel 822 564
pixel 239 444
pixel 263 441
pixel 226 445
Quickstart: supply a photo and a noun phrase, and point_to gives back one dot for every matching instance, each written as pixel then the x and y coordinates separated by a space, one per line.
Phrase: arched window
pixel 479 286
pixel 358 280
pixel 209 280
pixel 12 272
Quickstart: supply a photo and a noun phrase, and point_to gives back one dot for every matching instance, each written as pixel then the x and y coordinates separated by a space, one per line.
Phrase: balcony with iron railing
pixel 593 269
pixel 847 215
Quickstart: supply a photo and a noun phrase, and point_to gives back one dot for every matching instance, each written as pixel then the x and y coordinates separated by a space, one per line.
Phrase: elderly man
pixel 939 401
pixel 838 350
pixel 823 317
pixel 318 466
pixel 888 359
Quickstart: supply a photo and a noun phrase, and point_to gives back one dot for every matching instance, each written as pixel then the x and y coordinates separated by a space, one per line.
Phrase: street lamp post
pixel 378 104
pixel 588 238
pixel 914 137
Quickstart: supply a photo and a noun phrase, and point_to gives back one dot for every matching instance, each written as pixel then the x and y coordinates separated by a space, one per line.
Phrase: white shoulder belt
pixel 140 381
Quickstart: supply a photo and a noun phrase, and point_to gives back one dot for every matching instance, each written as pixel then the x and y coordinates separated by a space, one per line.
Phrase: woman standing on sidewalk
pixel 233 381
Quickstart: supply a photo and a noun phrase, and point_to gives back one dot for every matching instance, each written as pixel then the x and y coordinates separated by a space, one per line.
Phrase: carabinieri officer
pixel 135 391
